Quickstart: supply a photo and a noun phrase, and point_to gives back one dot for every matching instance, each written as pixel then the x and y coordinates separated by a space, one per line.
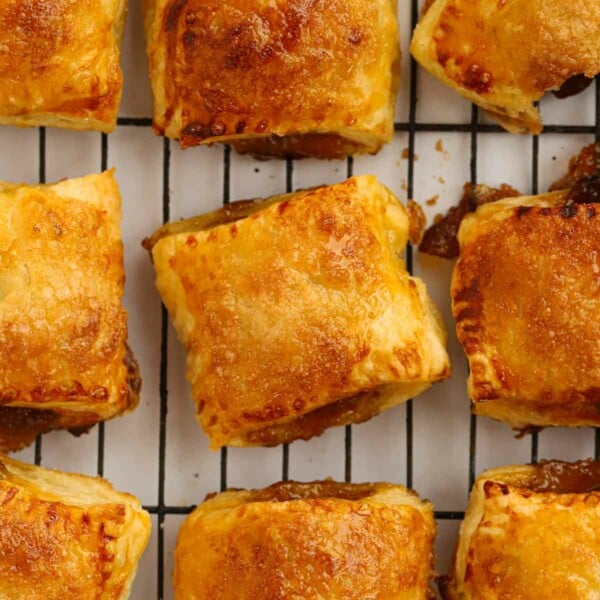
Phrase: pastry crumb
pixel 406 155
pixel 417 222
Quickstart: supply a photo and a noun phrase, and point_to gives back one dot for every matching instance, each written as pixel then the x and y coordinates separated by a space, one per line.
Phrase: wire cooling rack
pixel 433 443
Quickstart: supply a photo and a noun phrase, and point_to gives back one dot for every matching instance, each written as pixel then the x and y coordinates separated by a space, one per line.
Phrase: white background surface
pixel 441 419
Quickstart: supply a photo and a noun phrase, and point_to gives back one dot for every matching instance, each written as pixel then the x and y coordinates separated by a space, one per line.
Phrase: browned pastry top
pixel 505 54
pixel 59 62
pixel 299 68
pixel 526 296
pixel 317 541
pixel 530 532
pixel 300 315
pixel 66 536
pixel 63 330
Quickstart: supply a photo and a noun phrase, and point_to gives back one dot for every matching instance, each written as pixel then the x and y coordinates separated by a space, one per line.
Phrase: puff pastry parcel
pixel 505 54
pixel 317 541
pixel 64 362
pixel 279 78
pixel 530 532
pixel 59 62
pixel 298 313
pixel 65 536
pixel 526 297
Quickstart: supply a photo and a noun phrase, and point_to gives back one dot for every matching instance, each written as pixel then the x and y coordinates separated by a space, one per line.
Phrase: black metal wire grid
pixel 411 127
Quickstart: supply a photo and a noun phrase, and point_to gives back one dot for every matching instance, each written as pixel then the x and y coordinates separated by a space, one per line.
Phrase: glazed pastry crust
pixel 281 78
pixel 64 362
pixel 59 63
pixel 299 541
pixel 301 315
pixel 66 536
pixel 519 542
pixel 525 294
pixel 504 55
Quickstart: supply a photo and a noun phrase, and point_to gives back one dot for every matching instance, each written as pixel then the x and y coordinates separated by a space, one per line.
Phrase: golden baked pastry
pixel 65 536
pixel 313 541
pixel 64 362
pixel 526 297
pixel 59 63
pixel 298 313
pixel 530 532
pixel 505 54
pixel 281 78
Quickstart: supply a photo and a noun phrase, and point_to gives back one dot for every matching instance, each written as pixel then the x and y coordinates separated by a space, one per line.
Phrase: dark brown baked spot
pixel 478 79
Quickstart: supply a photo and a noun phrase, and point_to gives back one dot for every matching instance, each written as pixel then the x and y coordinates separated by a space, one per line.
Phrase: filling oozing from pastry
pixel 20 426
pixel 356 409
pixel 561 477
pixel 573 86
pixel 582 179
pixel 284 491
pixel 552 476
pixel 441 238
pixel 316 145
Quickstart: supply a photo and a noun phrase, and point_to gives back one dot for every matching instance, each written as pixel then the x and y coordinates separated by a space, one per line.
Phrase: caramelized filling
pixel 582 179
pixel 134 380
pixel 573 86
pixel 317 145
pixel 20 426
pixel 291 490
pixel 441 238
pixel 584 164
pixel 585 191
pixel 566 478
pixel 356 409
